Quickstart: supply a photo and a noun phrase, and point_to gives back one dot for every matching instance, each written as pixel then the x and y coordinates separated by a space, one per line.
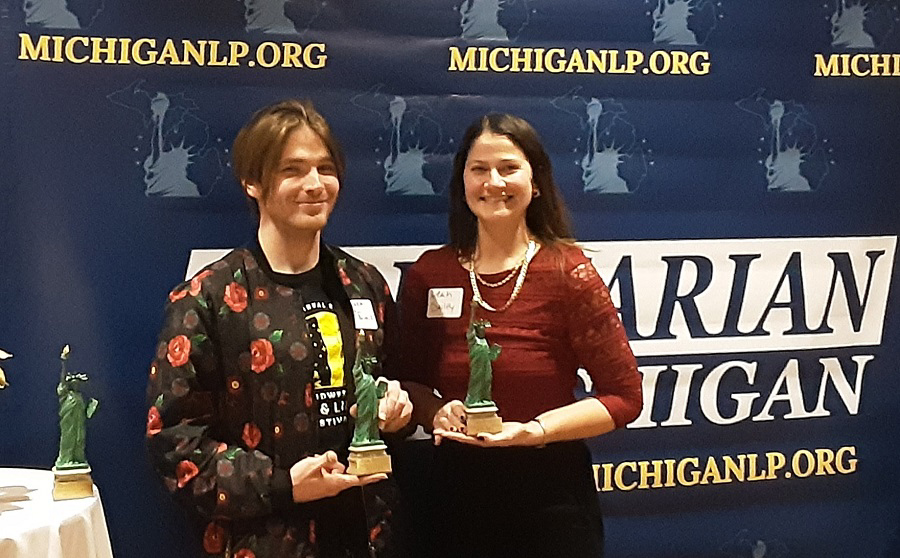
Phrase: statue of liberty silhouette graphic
pixel 267 16
pixel 481 19
pixel 412 136
pixel 847 25
pixel 678 22
pixel 179 161
pixel 404 168
pixel 53 14
pixel 856 24
pixel 795 159
pixel 614 160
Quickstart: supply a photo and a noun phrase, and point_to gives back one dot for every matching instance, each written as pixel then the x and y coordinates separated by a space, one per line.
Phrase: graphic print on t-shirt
pixel 327 346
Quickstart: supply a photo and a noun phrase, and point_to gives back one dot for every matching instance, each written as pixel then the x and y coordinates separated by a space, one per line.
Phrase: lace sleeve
pixel 599 340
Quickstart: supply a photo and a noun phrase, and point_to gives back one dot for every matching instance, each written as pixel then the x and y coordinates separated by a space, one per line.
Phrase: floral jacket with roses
pixel 231 409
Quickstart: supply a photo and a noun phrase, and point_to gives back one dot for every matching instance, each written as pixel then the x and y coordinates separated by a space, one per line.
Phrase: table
pixel 33 525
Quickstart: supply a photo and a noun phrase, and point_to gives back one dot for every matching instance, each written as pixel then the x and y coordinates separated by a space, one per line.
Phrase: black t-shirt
pixel 329 322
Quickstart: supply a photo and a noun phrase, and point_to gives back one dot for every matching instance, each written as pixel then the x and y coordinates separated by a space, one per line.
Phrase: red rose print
pixel 235 297
pixel 387 290
pixel 262 355
pixel 154 422
pixel 214 539
pixel 381 312
pixel 374 532
pixel 177 295
pixel 197 280
pixel 185 471
pixel 179 350
pixel 312 531
pixel 260 293
pixel 251 435
pixel 308 395
pixel 344 279
pixel 244 553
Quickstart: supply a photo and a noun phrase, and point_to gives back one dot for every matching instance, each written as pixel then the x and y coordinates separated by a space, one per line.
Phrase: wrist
pixel 538 432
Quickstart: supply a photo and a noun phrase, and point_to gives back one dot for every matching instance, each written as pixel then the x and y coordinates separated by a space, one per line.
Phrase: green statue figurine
pixel 481 354
pixel 368 392
pixel 367 451
pixel 73 413
pixel 481 411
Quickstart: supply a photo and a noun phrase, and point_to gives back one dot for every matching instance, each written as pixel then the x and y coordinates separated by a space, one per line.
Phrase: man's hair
pixel 546 216
pixel 258 146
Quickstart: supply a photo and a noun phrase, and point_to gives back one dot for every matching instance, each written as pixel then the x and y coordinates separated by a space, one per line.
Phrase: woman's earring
pixel 535 193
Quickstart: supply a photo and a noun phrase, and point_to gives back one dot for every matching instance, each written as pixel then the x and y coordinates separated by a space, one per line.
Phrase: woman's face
pixel 498 180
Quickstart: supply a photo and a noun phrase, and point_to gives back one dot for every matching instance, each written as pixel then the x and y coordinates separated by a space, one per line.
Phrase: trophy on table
pixel 367 450
pixel 481 411
pixel 71 473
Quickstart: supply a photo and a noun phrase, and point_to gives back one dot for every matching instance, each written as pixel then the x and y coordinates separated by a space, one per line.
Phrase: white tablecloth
pixel 33 525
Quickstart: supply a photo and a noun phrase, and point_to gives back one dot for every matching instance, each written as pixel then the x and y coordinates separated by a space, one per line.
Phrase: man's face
pixel 304 186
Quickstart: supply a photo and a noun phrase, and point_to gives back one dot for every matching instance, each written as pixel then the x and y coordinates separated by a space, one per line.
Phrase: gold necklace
pixel 520 280
pixel 502 282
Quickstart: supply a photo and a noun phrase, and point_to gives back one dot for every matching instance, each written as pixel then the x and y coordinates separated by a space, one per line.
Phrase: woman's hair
pixel 546 216
pixel 258 146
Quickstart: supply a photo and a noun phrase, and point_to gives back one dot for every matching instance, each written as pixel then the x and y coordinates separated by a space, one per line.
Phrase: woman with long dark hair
pixel 528 489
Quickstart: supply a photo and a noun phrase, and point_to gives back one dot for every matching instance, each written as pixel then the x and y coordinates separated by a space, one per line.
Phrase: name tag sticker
pixel 363 314
pixel 445 302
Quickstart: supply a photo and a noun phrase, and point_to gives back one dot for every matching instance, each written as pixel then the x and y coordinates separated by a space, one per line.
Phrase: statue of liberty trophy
pixel 481 411
pixel 367 450
pixel 72 474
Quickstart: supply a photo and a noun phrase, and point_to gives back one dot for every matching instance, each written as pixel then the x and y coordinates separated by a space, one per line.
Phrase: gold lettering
pixel 97 49
pixel 517 58
pixel 695 474
pixel 237 50
pixel 318 61
pixel 775 462
pixel 124 51
pixel 291 55
pixel 460 64
pixel 198 55
pixel 700 68
pixel 596 62
pixel 633 59
pixel 655 62
pixel 58 48
pixel 826 69
pixel 670 473
pixel 169 55
pixel 809 467
pixel 825 459
pixel 854 64
pixel 29 51
pixel 881 64
pixel 711 472
pixel 754 475
pixel 576 63
pixel 613 61
pixel 138 55
pixel 555 66
pixel 620 482
pixel 735 468
pixel 261 57
pixel 214 59
pixel 680 62
pixel 850 465
pixel 656 474
pixel 70 50
pixel 539 60
pixel 492 61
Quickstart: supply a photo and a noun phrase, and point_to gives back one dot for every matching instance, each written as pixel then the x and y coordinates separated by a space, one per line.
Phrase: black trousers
pixel 516 502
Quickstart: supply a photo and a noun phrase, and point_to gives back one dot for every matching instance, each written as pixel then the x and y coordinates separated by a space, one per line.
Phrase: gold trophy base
pixel 483 420
pixel 69 484
pixel 369 460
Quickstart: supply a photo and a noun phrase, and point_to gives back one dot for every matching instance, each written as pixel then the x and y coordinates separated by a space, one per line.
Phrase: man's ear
pixel 253 190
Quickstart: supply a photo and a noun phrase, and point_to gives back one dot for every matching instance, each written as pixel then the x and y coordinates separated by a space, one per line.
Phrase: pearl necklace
pixel 505 280
pixel 520 280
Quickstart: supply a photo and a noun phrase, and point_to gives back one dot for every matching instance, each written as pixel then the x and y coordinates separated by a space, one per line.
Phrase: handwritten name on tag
pixel 445 302
pixel 363 314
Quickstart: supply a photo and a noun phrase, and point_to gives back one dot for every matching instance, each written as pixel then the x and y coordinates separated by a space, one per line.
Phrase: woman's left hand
pixel 512 434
